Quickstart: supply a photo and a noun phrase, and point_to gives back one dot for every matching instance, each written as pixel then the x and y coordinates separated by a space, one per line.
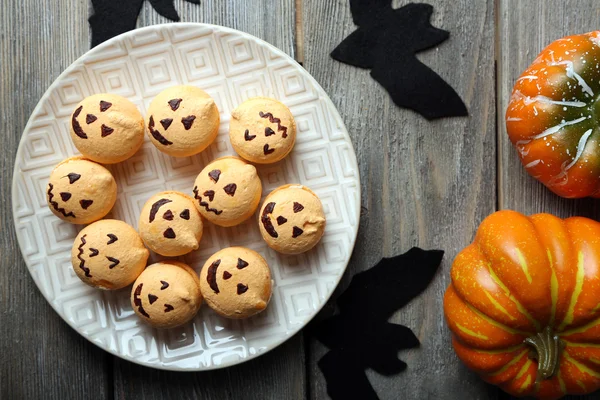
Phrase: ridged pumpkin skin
pixel 553 118
pixel 519 276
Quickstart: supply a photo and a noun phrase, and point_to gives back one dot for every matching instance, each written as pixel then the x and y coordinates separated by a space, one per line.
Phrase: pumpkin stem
pixel 548 347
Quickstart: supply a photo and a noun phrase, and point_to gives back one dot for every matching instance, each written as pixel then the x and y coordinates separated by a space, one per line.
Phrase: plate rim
pixel 164 27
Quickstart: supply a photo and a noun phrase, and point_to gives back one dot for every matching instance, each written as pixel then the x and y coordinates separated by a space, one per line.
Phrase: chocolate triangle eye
pixel 230 189
pixel 73 177
pixel 174 104
pixel 85 203
pixel 188 122
pixel 65 196
pixel 297 232
pixel 298 207
pixel 90 118
pixel 106 130
pixel 281 220
pixel 214 175
pixel 241 288
pixel 168 215
pixel 269 131
pixel 152 298
pixel 226 275
pixel 165 285
pixel 185 214
pixel 166 123
pixel 210 194
pixel 104 105
pixel 168 308
pixel 169 233
pixel 241 264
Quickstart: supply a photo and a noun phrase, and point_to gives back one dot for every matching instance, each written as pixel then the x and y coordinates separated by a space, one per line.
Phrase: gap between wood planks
pixel 299 33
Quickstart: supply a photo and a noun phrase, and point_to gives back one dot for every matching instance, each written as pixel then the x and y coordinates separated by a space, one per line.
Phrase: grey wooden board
pixel 41 357
pixel 425 184
pixel 525 28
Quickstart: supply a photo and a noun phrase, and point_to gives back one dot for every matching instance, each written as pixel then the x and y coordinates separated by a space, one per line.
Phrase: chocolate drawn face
pixel 167 214
pixel 152 299
pixel 171 114
pixel 89 250
pixel 206 195
pixel 272 129
pixel 92 123
pixel 267 217
pixel 213 272
pixel 67 205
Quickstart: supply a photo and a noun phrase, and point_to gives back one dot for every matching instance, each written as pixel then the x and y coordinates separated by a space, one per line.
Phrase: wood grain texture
pixel 424 184
pixel 41 356
pixel 281 373
pixel 524 29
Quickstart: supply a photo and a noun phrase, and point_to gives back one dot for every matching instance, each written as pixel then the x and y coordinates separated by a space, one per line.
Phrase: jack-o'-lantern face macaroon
pixel 166 294
pixel 291 219
pixel 183 121
pixel 107 128
pixel 262 130
pixel 81 191
pixel 170 225
pixel 108 254
pixel 227 191
pixel 236 282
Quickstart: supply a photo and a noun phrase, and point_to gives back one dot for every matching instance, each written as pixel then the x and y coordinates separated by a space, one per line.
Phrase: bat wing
pixel 345 377
pixel 366 11
pixel 418 88
pixel 357 49
pixel 385 288
pixel 166 8
pixel 112 18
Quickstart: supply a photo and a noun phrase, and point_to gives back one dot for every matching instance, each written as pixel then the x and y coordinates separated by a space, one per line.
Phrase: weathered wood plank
pixel 525 28
pixel 423 183
pixel 42 357
pixel 281 373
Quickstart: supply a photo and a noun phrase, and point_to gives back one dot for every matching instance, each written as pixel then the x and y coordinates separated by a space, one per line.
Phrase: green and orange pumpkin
pixel 524 304
pixel 553 118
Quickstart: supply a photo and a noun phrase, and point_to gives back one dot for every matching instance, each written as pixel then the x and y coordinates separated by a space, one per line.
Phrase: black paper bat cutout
pixel 113 17
pixel 360 336
pixel 386 42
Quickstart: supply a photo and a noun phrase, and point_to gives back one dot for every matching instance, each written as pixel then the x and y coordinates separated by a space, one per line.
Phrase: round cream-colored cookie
pixel 167 294
pixel 183 121
pixel 107 128
pixel 227 191
pixel 108 254
pixel 236 282
pixel 262 130
pixel 81 191
pixel 170 225
pixel 291 219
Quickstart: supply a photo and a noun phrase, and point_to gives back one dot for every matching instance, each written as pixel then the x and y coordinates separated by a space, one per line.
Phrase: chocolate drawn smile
pixel 137 301
pixel 85 269
pixel 156 134
pixel 204 203
pixel 55 205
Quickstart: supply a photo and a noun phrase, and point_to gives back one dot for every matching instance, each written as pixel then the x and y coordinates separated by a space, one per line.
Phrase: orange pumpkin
pixel 524 304
pixel 552 117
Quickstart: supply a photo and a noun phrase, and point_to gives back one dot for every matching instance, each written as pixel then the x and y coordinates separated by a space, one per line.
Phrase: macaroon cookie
pixel 291 219
pixel 183 121
pixel 170 225
pixel 107 128
pixel 167 294
pixel 262 130
pixel 80 191
pixel 236 282
pixel 108 254
pixel 227 191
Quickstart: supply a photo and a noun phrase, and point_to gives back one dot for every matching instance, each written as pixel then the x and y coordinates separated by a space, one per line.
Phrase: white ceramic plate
pixel 231 66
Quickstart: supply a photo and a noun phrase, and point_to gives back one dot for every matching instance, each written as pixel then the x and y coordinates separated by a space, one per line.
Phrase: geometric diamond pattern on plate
pixel 116 77
pixel 314 167
pixel 231 67
pixel 200 61
pixel 292 86
pixel 157 70
pixel 300 301
pixel 312 131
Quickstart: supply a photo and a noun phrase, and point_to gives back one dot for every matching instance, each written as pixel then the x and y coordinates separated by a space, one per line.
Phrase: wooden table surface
pixel 424 183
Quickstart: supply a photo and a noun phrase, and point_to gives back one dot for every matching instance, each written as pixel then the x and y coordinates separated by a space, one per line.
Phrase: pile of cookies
pixel 182 121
